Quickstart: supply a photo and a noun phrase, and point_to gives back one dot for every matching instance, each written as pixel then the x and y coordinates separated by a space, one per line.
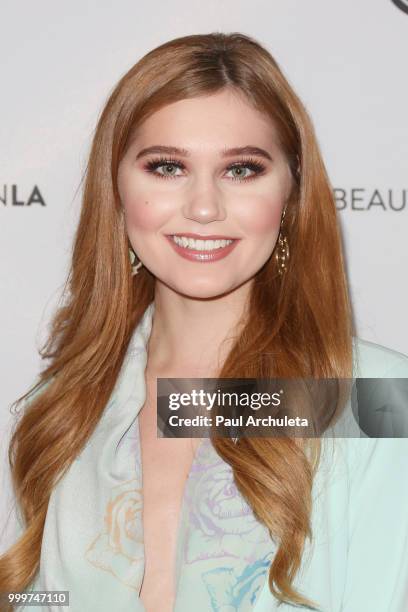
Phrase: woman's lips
pixel 203 256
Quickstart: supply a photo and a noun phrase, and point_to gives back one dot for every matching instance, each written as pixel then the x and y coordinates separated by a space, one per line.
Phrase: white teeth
pixel 200 245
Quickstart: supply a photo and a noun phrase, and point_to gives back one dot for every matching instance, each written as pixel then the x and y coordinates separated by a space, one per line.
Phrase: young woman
pixel 208 245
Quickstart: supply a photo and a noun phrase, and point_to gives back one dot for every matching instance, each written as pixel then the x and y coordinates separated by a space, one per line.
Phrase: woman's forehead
pixel 212 123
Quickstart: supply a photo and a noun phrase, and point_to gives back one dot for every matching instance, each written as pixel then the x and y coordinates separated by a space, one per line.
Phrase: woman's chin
pixel 201 288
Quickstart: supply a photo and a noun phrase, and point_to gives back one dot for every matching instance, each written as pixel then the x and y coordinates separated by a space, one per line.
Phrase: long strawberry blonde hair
pixel 299 324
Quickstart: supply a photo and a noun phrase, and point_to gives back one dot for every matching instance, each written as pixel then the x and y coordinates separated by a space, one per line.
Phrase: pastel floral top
pixel 93 537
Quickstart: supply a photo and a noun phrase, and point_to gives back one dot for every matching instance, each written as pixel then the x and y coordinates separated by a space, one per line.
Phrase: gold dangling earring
pixel 282 253
pixel 132 257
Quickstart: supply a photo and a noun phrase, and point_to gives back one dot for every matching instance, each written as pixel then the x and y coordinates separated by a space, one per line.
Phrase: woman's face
pixel 198 170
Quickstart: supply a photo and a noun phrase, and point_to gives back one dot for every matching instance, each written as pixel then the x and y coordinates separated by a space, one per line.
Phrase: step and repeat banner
pixel 58 63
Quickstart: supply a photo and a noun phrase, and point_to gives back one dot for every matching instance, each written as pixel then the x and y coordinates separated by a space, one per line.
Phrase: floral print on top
pixel 118 547
pixel 224 552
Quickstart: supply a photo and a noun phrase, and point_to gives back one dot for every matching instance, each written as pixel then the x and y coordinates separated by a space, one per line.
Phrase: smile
pixel 200 245
pixel 200 249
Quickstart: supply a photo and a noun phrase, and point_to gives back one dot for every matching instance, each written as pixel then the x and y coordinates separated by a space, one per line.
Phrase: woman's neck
pixel 188 334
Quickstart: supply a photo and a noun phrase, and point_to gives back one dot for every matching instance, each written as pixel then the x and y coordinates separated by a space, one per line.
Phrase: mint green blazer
pixel 357 560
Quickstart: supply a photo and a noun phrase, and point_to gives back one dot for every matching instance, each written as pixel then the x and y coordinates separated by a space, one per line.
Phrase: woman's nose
pixel 204 202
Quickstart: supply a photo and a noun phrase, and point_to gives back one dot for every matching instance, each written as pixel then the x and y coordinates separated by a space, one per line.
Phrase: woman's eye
pixel 167 169
pixel 241 172
pixel 246 170
pixel 163 168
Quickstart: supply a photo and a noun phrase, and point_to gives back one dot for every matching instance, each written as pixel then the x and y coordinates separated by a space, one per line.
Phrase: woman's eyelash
pixel 250 163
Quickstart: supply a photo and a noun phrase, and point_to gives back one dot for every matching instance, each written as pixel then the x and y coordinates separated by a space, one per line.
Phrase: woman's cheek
pixel 261 215
pixel 146 211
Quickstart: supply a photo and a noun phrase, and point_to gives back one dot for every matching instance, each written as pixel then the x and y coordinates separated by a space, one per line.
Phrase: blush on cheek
pixel 262 216
pixel 150 209
pixel 144 214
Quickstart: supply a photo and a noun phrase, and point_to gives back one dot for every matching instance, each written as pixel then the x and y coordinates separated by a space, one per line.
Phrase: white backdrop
pixel 58 63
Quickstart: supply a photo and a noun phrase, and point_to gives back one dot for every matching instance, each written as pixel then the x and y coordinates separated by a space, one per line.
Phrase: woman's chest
pixel 203 547
pixel 164 465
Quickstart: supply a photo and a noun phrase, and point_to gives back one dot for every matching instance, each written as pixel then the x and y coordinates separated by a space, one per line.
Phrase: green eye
pixel 168 169
pixel 164 168
pixel 240 172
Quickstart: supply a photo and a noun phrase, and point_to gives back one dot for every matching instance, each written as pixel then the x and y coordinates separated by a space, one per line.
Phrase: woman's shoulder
pixel 371 360
pixel 379 396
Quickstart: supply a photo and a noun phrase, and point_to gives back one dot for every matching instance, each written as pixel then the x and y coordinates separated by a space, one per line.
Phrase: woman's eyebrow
pixel 247 150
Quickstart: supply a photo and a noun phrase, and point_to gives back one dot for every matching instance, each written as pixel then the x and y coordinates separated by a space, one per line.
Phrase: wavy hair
pixel 298 324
